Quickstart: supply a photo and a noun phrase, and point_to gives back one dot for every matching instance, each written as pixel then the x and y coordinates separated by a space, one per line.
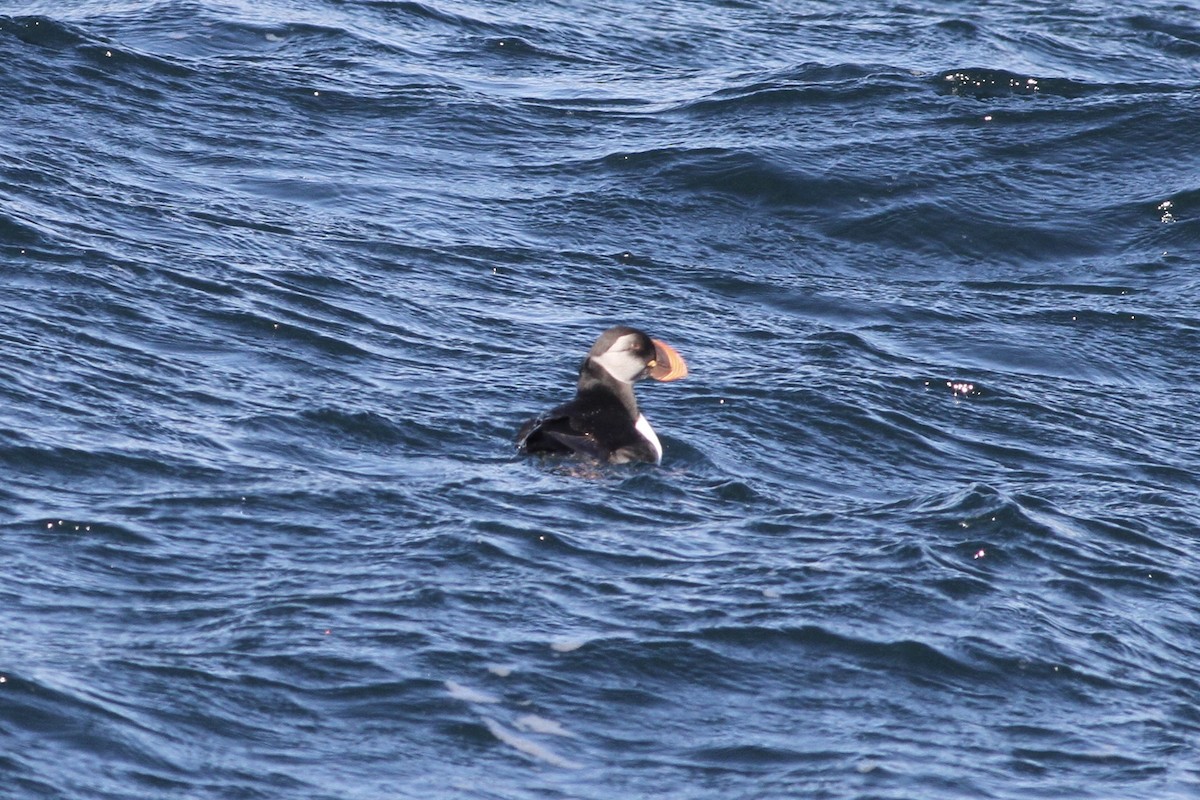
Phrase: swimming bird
pixel 603 421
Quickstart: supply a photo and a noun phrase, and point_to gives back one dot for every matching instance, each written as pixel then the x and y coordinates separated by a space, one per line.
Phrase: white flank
pixel 643 427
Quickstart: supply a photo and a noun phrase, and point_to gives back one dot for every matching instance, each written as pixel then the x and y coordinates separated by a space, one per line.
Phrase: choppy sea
pixel 279 280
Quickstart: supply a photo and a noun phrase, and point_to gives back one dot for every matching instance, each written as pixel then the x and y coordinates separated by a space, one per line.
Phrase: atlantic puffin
pixel 603 422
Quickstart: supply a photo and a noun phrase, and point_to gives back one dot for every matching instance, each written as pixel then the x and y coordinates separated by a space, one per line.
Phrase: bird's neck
pixel 595 378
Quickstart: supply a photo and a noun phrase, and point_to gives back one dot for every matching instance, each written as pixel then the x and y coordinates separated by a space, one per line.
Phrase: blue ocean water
pixel 281 280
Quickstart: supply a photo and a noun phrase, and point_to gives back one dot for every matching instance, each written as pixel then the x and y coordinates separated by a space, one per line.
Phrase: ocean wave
pixel 282 283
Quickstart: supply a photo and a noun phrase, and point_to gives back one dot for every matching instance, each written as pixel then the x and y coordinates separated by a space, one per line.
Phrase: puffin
pixel 603 423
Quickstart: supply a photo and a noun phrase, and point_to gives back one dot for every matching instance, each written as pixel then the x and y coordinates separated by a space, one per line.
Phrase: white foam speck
pixel 469 695
pixel 527 746
pixel 566 645
pixel 500 670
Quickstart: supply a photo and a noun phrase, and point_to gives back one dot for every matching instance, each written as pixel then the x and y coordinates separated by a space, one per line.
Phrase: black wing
pixel 552 433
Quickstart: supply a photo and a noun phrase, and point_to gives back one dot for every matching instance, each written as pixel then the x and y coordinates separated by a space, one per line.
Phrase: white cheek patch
pixel 643 427
pixel 619 360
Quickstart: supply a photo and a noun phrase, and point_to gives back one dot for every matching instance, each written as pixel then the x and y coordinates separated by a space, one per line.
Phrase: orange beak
pixel 668 365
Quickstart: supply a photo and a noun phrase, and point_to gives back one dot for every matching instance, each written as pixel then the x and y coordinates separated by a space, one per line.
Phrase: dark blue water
pixel 281 280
